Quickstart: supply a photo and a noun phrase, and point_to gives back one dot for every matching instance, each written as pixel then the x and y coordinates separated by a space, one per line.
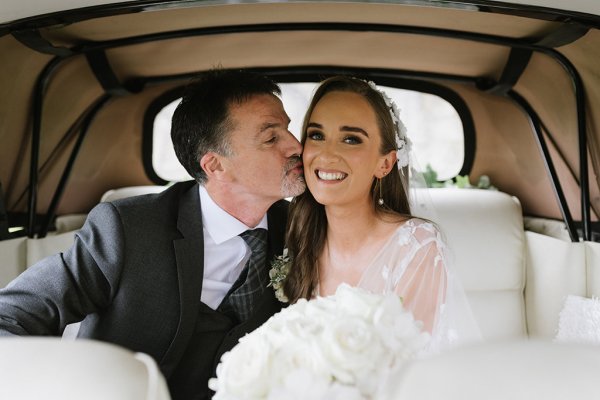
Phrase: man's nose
pixel 293 146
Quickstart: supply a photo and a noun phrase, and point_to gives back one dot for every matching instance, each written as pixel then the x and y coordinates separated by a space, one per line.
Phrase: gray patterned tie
pixel 253 280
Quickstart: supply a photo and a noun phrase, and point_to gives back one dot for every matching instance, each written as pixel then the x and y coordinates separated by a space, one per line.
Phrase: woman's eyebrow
pixel 344 128
pixel 347 128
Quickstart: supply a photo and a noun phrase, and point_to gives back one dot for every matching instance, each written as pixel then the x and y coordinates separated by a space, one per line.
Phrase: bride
pixel 354 224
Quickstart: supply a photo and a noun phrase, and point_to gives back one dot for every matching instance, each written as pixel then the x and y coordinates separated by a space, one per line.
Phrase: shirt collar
pixel 220 225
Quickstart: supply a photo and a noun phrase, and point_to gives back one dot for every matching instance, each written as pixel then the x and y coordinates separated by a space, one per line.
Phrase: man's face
pixel 266 163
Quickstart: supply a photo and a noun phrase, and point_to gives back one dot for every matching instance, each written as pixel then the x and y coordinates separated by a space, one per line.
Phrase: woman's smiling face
pixel 342 149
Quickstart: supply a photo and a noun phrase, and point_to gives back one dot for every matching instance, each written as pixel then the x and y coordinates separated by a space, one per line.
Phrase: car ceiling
pixel 462 46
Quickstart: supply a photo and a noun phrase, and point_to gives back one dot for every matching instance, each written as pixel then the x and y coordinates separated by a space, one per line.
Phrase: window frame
pixel 419 85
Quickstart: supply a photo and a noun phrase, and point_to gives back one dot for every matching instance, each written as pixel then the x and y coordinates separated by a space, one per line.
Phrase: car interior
pixel 83 84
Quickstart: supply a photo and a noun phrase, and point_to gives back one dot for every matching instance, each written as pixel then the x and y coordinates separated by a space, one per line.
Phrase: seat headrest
pixel 517 370
pixel 129 191
pixel 53 369
pixel 484 231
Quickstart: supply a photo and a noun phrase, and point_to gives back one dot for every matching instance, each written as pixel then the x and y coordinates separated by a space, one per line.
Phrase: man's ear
pixel 386 163
pixel 212 164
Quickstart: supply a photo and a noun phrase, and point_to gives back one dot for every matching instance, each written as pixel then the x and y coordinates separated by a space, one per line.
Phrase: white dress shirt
pixel 225 253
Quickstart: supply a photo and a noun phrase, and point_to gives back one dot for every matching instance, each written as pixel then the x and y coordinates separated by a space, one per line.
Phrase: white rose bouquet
pixel 337 347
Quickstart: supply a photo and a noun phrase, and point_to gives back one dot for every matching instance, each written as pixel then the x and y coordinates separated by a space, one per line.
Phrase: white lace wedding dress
pixel 414 263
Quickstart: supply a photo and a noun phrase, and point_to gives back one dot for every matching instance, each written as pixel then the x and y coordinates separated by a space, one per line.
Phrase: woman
pixel 354 224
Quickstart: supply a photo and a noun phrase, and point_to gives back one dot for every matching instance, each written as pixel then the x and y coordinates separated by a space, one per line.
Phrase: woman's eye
pixel 352 140
pixel 314 135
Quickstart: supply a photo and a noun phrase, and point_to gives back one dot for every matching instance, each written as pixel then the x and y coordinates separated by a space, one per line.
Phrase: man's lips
pixel 297 168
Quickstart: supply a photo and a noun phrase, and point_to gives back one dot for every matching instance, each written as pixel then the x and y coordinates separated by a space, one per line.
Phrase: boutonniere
pixel 277 274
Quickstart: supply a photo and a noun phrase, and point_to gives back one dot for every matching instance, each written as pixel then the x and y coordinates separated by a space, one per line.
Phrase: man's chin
pixel 294 188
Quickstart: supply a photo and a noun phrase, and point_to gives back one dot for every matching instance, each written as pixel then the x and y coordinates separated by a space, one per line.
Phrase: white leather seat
pixel 484 231
pixel 516 281
pixel 129 191
pixel 13 257
pixel 51 369
pixel 515 370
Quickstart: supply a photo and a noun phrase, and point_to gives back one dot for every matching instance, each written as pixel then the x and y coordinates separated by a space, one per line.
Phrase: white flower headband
pixel 403 143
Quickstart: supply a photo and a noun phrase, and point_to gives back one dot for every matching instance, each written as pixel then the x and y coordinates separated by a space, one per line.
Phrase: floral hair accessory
pixel 403 143
pixel 277 274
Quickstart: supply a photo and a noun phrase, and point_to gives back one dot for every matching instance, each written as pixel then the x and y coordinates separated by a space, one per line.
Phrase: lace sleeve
pixel 415 264
pixel 420 277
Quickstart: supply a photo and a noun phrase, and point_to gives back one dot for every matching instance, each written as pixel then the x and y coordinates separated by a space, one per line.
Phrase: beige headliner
pixel 111 154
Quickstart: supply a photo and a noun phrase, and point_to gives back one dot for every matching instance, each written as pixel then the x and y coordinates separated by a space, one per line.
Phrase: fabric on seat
pixel 516 370
pixel 51 369
pixel 484 231
pixel 579 321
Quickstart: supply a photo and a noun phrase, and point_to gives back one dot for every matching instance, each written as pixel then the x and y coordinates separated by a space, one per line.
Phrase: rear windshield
pixel 433 124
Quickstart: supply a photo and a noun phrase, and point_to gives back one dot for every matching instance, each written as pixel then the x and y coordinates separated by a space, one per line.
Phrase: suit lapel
pixel 189 255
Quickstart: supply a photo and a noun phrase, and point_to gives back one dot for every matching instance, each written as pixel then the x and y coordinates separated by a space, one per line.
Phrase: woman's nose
pixel 328 152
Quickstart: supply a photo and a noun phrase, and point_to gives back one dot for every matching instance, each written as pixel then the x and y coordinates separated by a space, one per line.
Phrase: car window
pixel 433 124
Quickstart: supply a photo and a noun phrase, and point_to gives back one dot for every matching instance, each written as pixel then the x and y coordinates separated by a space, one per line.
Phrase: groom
pixel 180 275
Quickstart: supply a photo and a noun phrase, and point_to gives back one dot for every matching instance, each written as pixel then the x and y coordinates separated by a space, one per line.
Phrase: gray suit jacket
pixel 134 275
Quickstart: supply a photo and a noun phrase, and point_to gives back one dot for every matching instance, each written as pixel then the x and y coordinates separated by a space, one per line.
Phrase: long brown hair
pixel 307 223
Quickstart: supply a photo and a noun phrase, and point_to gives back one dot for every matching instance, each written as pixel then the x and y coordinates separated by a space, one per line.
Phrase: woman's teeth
pixel 331 176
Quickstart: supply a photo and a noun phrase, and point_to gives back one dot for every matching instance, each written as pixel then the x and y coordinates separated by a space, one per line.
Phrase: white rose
pixel 337 347
pixel 302 384
pixel 292 311
pixel 294 334
pixel 355 301
pixel 352 348
pixel 279 320
pixel 290 324
pixel 244 372
pixel 398 330
pixel 302 354
pixel 338 391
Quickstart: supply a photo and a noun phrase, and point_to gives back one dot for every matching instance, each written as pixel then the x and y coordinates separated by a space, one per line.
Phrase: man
pixel 167 274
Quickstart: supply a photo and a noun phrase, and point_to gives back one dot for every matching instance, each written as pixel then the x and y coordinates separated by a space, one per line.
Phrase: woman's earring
pixel 380 201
